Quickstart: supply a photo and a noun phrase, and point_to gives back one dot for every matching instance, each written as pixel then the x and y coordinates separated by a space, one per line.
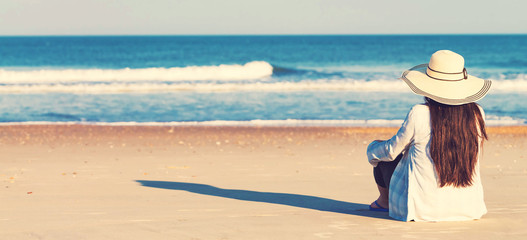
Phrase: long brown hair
pixel 454 148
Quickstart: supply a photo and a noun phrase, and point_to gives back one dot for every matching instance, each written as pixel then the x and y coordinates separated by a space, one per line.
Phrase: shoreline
pixel 512 129
pixel 264 123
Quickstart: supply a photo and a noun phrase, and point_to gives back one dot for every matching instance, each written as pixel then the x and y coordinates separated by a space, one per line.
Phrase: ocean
pixel 349 80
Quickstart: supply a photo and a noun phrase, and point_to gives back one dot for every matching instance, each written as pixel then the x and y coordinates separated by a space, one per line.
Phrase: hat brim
pixel 447 92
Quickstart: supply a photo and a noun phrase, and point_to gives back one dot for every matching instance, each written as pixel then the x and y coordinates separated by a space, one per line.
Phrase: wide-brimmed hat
pixel 445 80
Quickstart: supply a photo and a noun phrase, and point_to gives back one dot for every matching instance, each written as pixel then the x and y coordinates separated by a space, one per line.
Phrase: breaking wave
pixel 250 70
pixel 252 76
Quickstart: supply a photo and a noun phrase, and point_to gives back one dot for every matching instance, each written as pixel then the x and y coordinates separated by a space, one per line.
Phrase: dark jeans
pixel 384 171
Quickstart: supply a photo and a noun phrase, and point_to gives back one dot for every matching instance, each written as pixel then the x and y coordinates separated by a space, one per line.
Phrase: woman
pixel 429 171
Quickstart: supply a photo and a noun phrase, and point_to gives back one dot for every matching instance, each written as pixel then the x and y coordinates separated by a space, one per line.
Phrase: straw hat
pixel 445 80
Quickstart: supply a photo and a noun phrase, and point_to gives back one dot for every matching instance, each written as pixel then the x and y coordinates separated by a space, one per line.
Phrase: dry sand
pixel 99 182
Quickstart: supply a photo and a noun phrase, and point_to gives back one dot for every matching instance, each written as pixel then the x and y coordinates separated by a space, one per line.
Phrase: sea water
pixel 243 80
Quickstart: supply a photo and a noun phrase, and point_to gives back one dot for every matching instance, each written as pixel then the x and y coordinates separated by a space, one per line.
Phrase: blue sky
pixel 175 17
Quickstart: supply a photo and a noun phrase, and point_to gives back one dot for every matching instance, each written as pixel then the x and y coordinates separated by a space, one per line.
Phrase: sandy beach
pixel 113 182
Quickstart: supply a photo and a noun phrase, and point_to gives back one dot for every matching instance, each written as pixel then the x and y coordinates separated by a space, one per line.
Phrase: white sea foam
pixel 221 123
pixel 251 70
pixel 490 121
pixel 319 85
pixel 518 86
pixel 513 85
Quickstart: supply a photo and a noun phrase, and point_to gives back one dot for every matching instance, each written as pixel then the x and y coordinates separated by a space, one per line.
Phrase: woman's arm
pixel 388 150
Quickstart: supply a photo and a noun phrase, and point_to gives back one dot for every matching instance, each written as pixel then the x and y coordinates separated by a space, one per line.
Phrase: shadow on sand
pixel 288 199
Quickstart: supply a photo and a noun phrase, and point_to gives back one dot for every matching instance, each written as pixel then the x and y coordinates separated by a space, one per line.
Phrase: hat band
pixel 436 73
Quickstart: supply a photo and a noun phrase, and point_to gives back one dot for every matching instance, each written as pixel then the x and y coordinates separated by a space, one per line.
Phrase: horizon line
pixel 262 34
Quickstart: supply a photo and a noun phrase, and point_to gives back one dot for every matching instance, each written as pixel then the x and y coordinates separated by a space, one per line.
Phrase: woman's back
pixel 425 200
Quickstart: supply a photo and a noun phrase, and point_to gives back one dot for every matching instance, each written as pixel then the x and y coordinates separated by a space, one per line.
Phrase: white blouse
pixel 414 190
